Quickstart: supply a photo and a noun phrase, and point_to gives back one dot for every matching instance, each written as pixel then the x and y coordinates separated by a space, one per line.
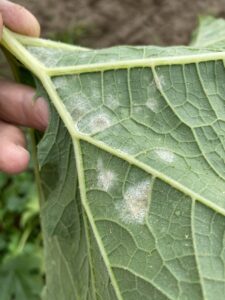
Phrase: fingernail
pixel 19 159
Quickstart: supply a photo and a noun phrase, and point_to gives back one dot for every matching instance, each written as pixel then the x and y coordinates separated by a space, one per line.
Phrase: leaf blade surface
pixel 145 126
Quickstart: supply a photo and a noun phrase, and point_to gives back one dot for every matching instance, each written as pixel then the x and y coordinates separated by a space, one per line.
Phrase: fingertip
pixel 19 19
pixel 17 106
pixel 23 158
pixel 31 25
pixel 16 159
pixel 41 112
pixel 1 25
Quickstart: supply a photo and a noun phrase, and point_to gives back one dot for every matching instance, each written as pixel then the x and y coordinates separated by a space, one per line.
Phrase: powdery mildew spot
pixel 160 81
pixel 78 106
pixel 165 155
pixel 96 94
pixel 49 57
pixel 106 177
pixel 138 109
pixel 60 82
pixel 111 101
pixel 84 55
pixel 78 111
pixel 152 104
pixel 133 208
pixel 125 149
pixel 99 122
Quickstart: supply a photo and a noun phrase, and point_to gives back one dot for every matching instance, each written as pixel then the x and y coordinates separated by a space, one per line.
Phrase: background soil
pixel 110 22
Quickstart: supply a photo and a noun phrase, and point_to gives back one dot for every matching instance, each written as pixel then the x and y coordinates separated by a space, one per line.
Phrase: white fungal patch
pixel 165 155
pixel 84 55
pixel 125 149
pixel 133 208
pixel 111 101
pixel 152 104
pixel 99 122
pixel 105 177
pixel 160 81
pixel 60 82
pixel 96 94
pixel 112 58
pixel 50 57
pixel 78 110
pixel 78 106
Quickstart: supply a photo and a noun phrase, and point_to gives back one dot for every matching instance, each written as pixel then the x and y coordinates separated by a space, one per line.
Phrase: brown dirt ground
pixel 111 22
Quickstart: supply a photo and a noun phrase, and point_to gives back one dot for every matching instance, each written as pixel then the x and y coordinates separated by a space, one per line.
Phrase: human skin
pixel 17 105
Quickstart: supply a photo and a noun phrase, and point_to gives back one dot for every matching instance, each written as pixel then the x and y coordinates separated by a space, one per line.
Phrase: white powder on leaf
pixel 111 101
pixel 160 82
pixel 133 208
pixel 99 122
pixel 93 124
pixel 165 155
pixel 152 104
pixel 78 106
pixel 60 82
pixel 105 177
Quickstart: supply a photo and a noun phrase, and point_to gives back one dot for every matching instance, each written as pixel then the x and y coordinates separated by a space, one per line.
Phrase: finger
pixel 1 24
pixel 14 158
pixel 18 19
pixel 17 106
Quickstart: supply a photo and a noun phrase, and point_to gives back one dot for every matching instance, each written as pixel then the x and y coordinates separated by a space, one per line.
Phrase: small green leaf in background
pixel 20 277
pixel 210 33
pixel 21 263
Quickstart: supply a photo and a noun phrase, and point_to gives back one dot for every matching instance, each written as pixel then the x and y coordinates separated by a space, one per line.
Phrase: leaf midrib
pixel 128 64
pixel 86 68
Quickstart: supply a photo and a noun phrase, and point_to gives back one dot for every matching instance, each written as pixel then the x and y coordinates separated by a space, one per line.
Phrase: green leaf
pixel 210 33
pixel 19 278
pixel 132 170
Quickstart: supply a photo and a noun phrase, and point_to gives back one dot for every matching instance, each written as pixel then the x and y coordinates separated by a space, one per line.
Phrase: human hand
pixel 17 107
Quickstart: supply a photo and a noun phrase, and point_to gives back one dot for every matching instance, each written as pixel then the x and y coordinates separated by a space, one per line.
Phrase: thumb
pixel 1 25
pixel 18 19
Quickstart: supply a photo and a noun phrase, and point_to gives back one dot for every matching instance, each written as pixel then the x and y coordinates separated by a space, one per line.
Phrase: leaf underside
pixel 132 168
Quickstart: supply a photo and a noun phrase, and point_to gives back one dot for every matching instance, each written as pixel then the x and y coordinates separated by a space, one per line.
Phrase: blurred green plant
pixel 73 35
pixel 21 267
